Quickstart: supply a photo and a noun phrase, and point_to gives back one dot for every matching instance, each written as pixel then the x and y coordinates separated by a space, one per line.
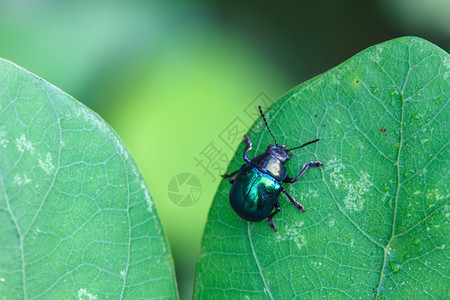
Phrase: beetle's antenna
pixel 306 144
pixel 267 125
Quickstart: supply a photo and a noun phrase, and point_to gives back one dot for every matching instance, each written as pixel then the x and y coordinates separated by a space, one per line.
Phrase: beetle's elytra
pixel 257 185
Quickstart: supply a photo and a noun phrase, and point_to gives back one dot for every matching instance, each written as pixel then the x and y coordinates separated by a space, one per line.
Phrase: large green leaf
pixel 376 221
pixel 76 218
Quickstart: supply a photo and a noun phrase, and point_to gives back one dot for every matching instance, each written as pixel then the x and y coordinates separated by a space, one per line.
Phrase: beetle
pixel 257 185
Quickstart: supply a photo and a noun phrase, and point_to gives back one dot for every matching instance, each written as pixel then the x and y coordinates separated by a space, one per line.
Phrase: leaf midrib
pixel 258 264
pixel 399 183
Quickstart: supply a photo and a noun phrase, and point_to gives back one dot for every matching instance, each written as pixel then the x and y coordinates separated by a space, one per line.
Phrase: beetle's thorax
pixel 278 152
pixel 272 161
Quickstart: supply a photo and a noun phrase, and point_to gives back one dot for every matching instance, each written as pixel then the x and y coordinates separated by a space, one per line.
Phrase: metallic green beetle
pixel 257 186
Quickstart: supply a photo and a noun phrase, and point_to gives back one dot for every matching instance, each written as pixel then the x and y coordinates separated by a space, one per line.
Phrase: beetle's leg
pixel 316 164
pixel 231 176
pixel 298 205
pixel 248 148
pixel 277 207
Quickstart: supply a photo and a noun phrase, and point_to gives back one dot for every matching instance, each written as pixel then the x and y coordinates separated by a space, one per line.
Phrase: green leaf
pixel 376 220
pixel 76 218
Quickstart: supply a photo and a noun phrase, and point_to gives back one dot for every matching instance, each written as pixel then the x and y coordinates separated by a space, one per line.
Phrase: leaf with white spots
pixel 76 218
pixel 376 220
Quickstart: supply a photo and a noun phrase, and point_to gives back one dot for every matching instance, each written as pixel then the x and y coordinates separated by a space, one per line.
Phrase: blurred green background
pixel 180 81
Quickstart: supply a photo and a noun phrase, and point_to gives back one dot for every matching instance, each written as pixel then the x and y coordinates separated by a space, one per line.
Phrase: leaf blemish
pixel 3 141
pixel 336 176
pixel 91 117
pixel 147 196
pixel 356 189
pixel 433 194
pixel 293 234
pixel 21 180
pixel 84 294
pixel 375 55
pixel 309 194
pixel 447 66
pixel 23 144
pixel 331 223
pixel 47 164
pixel 122 149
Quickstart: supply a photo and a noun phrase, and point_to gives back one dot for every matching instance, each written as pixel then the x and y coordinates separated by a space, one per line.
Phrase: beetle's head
pixel 279 152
